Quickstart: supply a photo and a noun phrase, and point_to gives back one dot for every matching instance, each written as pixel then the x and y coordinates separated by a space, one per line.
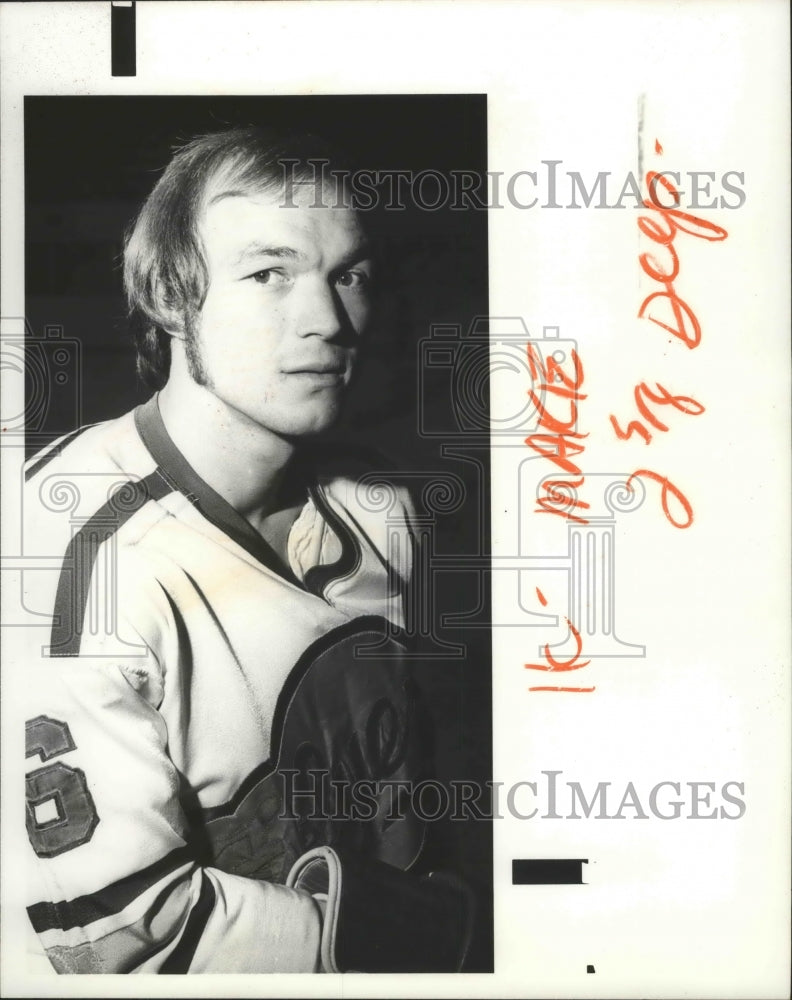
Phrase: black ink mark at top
pixel 122 39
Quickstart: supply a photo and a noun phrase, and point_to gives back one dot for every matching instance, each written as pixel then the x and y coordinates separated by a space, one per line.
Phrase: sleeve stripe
pixel 74 582
pixel 182 955
pixel 112 899
pixel 56 449
pixel 125 948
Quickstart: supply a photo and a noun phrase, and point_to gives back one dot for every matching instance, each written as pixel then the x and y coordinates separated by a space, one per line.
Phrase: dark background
pixel 91 161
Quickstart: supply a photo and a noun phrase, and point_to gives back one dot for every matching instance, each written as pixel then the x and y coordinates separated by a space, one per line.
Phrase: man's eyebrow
pixel 256 249
pixel 363 251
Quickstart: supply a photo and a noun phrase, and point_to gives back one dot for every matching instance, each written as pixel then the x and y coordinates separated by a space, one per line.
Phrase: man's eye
pixel 353 279
pixel 269 276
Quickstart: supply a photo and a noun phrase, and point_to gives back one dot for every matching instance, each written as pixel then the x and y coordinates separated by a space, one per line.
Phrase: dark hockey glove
pixel 378 918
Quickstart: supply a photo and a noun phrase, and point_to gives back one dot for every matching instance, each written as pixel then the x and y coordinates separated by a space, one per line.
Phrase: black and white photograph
pixel 395 443
pixel 243 562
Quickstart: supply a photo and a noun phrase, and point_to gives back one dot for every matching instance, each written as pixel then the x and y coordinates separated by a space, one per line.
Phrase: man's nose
pixel 321 312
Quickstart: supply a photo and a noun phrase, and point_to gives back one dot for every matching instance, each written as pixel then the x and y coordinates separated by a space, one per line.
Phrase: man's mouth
pixel 318 368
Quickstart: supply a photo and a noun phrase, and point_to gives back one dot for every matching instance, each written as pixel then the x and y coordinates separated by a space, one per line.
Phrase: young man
pixel 221 719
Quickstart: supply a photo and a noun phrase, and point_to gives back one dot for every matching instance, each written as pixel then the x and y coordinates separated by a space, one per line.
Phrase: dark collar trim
pixel 319 578
pixel 208 501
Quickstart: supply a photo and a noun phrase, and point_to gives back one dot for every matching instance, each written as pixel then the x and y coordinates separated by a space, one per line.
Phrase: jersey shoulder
pixel 89 454
pixel 97 477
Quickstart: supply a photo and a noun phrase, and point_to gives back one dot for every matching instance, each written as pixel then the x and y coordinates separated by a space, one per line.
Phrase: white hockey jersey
pixel 194 699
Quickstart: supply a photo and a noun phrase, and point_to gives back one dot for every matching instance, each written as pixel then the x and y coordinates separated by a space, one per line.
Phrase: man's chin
pixel 311 425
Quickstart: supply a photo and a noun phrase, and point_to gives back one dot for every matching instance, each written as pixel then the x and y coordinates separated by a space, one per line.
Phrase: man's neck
pixel 242 461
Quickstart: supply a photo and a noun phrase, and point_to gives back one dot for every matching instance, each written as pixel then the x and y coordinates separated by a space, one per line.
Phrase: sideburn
pixel 192 350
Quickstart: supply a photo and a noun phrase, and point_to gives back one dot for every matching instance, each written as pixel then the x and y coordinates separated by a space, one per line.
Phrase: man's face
pixel 289 295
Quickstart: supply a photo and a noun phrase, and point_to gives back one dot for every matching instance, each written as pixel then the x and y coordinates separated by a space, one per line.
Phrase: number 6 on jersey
pixel 60 813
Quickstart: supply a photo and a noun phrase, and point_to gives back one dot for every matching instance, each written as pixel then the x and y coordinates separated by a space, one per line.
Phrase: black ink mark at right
pixel 548 871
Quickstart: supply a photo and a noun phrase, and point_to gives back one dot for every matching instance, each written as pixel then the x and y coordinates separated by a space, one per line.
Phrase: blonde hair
pixel 165 274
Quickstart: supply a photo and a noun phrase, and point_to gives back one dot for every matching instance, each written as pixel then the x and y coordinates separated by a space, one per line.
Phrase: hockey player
pixel 221 717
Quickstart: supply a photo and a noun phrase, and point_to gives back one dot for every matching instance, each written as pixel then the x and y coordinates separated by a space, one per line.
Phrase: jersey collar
pixel 214 507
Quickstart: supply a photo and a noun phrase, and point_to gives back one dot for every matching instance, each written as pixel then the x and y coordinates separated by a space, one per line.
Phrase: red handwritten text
pixel 559 439
pixel 668 310
pixel 662 397
pixel 556 665
pixel 662 229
